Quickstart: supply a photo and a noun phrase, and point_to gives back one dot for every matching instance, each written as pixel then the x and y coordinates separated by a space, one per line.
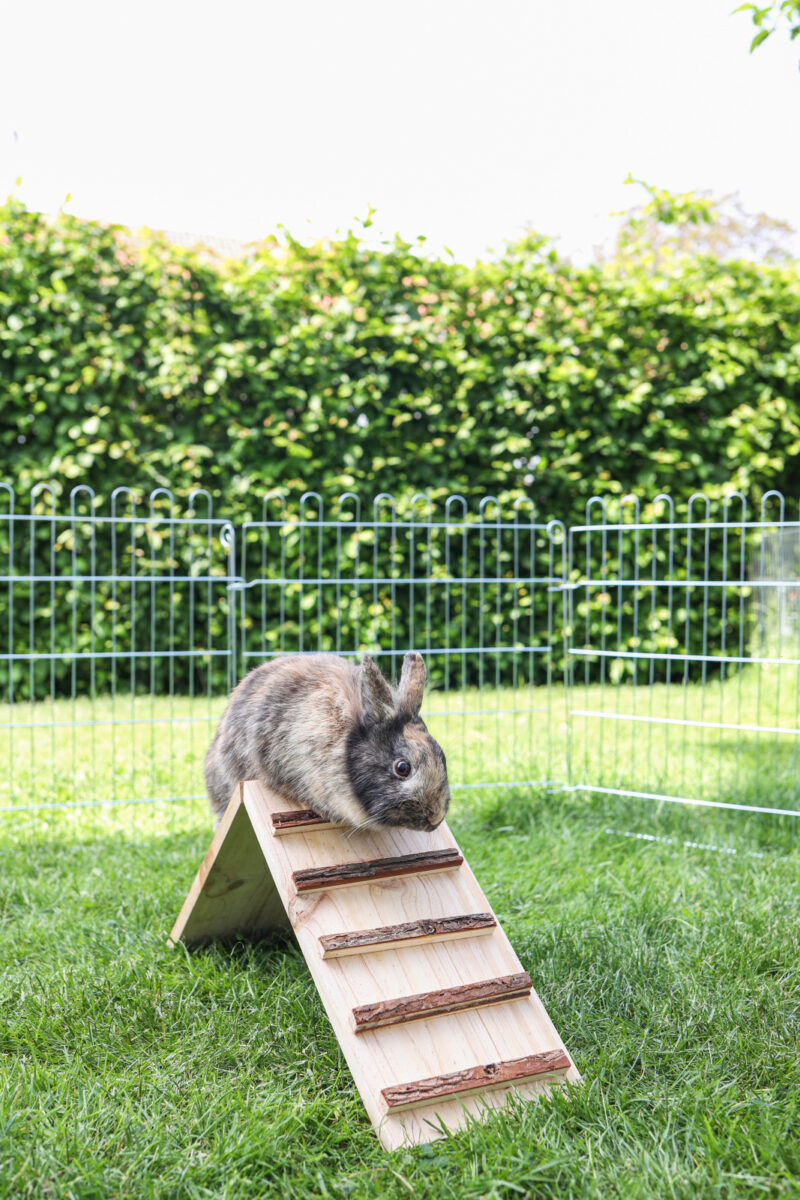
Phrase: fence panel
pixel 476 590
pixel 646 652
pixel 683 672
pixel 117 653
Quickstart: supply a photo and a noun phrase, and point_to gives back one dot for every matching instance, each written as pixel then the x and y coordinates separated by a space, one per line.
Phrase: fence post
pixel 227 537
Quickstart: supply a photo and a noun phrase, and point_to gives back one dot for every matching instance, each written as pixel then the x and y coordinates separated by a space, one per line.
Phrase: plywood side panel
pixel 233 891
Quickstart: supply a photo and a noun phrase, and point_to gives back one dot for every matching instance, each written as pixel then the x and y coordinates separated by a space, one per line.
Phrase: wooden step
pixel 410 933
pixel 444 1000
pixel 299 820
pixel 266 870
pixel 315 879
pixel 483 1078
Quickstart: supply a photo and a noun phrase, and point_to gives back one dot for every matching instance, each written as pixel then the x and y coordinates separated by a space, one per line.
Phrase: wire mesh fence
pixel 646 652
pixel 118 648
pixel 475 590
pixel 683 679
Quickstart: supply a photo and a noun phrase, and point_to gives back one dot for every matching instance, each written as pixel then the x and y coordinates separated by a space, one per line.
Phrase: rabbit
pixel 333 737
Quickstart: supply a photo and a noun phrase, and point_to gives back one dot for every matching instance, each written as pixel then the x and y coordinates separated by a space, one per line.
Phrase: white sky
pixel 464 120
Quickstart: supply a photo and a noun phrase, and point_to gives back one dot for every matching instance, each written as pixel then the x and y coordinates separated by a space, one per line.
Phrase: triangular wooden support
pixel 434 1014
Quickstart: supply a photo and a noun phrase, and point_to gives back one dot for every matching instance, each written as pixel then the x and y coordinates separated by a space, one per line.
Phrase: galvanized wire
pixel 464 586
pixel 649 652
pixel 112 613
pixel 699 610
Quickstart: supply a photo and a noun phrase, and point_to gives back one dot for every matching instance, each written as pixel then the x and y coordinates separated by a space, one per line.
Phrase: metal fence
pixel 647 652
pixel 683 654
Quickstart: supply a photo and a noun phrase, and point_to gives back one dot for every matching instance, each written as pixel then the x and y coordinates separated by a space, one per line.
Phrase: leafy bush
pixel 338 367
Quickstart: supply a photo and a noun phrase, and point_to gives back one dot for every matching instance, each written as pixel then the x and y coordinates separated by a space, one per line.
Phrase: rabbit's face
pixel 398 773
pixel 396 770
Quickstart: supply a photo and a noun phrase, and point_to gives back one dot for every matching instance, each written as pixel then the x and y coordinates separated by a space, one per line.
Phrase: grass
pixel 620 736
pixel 671 971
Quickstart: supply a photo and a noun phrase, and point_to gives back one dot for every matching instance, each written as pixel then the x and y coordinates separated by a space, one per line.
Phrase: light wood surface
pixel 233 892
pixel 403 1055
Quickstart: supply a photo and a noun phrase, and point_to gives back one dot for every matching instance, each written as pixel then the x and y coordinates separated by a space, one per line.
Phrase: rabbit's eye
pixel 402 768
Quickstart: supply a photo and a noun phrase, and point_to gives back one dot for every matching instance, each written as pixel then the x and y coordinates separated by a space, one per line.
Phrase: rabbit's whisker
pixel 370 823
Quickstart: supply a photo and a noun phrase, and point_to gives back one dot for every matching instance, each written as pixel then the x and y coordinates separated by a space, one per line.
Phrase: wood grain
pixel 483 1078
pixel 408 933
pixel 314 879
pixel 247 883
pixel 443 1000
pixel 297 820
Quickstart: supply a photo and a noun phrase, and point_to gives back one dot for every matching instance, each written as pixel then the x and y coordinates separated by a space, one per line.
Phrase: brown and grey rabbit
pixel 334 737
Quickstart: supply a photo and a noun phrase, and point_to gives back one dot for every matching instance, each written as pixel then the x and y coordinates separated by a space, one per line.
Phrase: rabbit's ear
pixel 412 683
pixel 376 695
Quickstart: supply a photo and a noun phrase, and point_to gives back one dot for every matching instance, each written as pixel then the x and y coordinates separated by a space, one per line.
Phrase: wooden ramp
pixel 435 1016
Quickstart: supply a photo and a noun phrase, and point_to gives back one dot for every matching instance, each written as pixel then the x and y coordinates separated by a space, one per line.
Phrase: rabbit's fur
pixel 332 736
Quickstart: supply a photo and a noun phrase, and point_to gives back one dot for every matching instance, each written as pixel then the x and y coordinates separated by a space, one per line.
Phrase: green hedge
pixel 340 367
pixel 344 367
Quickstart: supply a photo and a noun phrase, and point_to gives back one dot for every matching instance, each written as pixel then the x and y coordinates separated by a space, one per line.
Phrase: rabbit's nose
pixel 435 814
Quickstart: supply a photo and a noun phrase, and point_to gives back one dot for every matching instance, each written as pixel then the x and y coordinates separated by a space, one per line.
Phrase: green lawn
pixel 671 971
pixel 613 735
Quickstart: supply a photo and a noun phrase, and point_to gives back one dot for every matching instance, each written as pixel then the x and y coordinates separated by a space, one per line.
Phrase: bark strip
pixel 302 818
pixel 473 1079
pixel 443 1000
pixel 334 944
pixel 313 879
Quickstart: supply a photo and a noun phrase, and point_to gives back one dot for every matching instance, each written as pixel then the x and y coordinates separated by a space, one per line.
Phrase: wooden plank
pixel 443 1000
pixel 419 1050
pixel 299 819
pixel 233 891
pixel 481 1078
pixel 408 933
pixel 315 879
